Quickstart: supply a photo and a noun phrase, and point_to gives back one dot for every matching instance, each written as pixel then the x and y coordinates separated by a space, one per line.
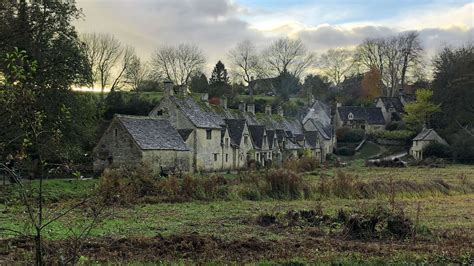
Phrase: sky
pixel 216 26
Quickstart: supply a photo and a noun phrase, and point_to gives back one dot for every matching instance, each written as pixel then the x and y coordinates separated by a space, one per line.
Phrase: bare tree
pixel 336 64
pixel 136 73
pixel 393 57
pixel 245 61
pixel 411 52
pixel 177 64
pixel 288 55
pixel 105 53
pixel 128 53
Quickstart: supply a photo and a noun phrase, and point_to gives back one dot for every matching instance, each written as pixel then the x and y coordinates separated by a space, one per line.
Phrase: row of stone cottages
pixel 184 133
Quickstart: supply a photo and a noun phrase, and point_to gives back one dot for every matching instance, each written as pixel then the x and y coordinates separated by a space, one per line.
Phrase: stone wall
pixel 116 148
pixel 167 160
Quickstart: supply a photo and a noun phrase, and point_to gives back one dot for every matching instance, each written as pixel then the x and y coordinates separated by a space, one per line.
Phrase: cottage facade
pixel 423 139
pixel 392 108
pixel 356 117
pixel 132 140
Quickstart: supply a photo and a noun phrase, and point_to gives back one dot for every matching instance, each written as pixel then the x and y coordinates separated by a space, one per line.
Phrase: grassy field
pixel 438 201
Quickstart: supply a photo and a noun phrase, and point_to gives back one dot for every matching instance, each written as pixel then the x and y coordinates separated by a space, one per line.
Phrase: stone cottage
pixel 131 140
pixel 357 117
pixel 392 108
pixel 318 119
pixel 240 142
pixel 423 139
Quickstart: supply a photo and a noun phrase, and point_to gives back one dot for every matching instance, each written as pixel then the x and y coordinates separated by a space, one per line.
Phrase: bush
pixel 301 165
pixel 350 135
pixel 345 151
pixel 286 185
pixel 463 147
pixel 402 135
pixel 395 125
pixel 437 150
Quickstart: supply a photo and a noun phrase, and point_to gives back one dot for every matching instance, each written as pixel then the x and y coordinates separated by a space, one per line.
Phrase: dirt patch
pixel 204 248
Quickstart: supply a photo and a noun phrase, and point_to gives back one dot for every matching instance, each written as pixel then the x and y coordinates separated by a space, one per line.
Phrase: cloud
pixel 217 25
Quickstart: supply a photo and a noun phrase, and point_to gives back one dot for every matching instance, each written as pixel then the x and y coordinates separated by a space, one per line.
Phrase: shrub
pixel 437 150
pixel 345 151
pixel 303 164
pixel 395 125
pixel 350 135
pixel 378 223
pixel 463 147
pixel 402 135
pixel 286 185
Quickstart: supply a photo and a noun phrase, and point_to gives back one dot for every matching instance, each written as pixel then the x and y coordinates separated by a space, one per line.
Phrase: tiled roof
pixel 290 145
pixel 429 134
pixel 394 102
pixel 311 138
pixel 199 114
pixel 236 129
pixel 184 133
pixel 373 115
pixel 152 134
pixel 257 134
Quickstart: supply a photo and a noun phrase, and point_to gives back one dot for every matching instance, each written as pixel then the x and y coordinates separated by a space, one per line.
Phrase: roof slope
pixel 152 133
pixel 236 129
pixel 394 102
pixel 311 138
pixel 257 134
pixel 373 115
pixel 184 133
pixel 199 114
pixel 429 135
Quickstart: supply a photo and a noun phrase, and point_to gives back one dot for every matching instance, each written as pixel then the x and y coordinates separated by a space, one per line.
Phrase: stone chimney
pixel 224 102
pixel 251 108
pixel 268 109
pixel 242 107
pixel 280 111
pixel 205 98
pixel 338 104
pixel 168 88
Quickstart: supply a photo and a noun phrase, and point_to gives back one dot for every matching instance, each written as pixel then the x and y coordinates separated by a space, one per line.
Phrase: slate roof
pixel 394 102
pixel 184 133
pixel 152 133
pixel 199 114
pixel 236 129
pixel 257 133
pixel 271 138
pixel 290 145
pixel 429 135
pixel 311 138
pixel 373 115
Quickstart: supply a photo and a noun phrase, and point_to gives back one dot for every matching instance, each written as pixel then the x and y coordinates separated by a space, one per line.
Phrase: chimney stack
pixel 251 108
pixel 205 98
pixel 268 109
pixel 338 104
pixel 224 102
pixel 242 107
pixel 280 111
pixel 168 88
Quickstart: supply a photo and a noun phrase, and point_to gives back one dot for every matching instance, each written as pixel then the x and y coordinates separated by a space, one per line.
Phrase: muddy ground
pixel 309 245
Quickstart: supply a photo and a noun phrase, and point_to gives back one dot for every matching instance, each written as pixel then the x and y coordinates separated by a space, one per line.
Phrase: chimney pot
pixel 268 109
pixel 251 108
pixel 168 88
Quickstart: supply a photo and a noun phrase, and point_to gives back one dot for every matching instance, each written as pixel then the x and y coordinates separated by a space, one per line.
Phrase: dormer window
pixel 350 116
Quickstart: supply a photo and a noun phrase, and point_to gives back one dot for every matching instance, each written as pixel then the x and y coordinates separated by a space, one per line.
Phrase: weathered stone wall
pixel 116 148
pixel 168 160
pixel 208 150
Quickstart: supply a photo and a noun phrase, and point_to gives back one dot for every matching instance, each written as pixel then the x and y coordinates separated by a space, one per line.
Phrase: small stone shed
pixel 423 139
pixel 131 140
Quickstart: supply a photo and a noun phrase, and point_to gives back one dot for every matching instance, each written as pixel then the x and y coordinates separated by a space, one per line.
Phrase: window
pixel 246 139
pixel 215 157
pixel 258 157
pixel 227 142
pixel 160 112
pixel 115 132
pixel 208 133
pixel 226 157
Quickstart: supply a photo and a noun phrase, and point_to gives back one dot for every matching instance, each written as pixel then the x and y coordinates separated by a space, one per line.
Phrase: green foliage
pixel 199 83
pixel 462 147
pixel 117 102
pixel 316 85
pixel 438 150
pixel 402 135
pixel 452 88
pixel 350 135
pixel 344 151
pixel 418 113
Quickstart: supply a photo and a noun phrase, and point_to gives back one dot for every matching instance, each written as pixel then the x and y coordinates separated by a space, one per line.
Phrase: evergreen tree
pixel 219 74
pixel 199 83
